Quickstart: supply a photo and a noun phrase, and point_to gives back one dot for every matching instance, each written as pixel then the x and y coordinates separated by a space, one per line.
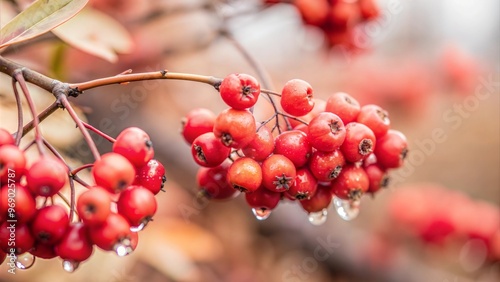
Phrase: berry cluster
pixel 110 212
pixel 337 19
pixel 439 216
pixel 330 149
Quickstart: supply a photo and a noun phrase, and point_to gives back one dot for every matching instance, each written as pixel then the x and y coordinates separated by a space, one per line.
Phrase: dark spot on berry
pixel 199 153
pixel 365 147
pixel 383 115
pixel 90 209
pixel 283 182
pixel 302 196
pixel 44 236
pixel 348 100
pixel 163 180
pixel 335 172
pixel 384 183
pixel 149 144
pixel 335 126
pixel 355 194
pixel 240 188
pixel 226 139
pixel 403 154
pixel 122 184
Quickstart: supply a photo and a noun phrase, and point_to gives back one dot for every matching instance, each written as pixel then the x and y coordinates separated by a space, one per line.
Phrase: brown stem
pixel 19 112
pixel 72 196
pixel 41 116
pixel 18 76
pixel 98 132
pixel 80 168
pixel 64 101
pixel 124 78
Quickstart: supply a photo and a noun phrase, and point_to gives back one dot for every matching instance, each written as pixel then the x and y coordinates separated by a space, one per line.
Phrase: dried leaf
pixel 40 17
pixel 96 33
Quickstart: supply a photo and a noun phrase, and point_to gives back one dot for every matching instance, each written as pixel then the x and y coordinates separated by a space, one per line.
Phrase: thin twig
pixel 119 79
pixel 19 112
pixel 98 132
pixel 18 76
pixel 93 148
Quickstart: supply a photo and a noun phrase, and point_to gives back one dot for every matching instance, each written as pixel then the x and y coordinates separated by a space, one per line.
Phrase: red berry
pixel 305 185
pixel 6 138
pixel 113 172
pixel 23 239
pixel 391 149
pixel 213 182
pixel 326 166
pixel 47 176
pixel 377 177
pixel 135 145
pixel 278 173
pixel 376 118
pixel 319 107
pixel 313 12
pixel 137 204
pixel 294 145
pixel 297 97
pixel 235 128
pixel 263 199
pixel 75 245
pixel 351 184
pixel 245 175
pixel 25 205
pixel 12 163
pixel 326 132
pixel 344 14
pixel 359 142
pixel 262 144
pixel 94 205
pixel 197 122
pixel 208 150
pixel 112 233
pixel 369 9
pixel 43 251
pixel 343 105
pixel 239 91
pixel 151 176
pixel 50 224
pixel 319 201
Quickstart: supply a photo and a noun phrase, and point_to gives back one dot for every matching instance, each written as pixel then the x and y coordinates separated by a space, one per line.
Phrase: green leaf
pixel 39 18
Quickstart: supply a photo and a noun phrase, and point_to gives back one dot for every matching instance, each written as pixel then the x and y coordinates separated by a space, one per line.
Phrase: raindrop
pixel 139 227
pixel 123 248
pixel 261 214
pixel 318 218
pixel 70 266
pixel 347 209
pixel 25 261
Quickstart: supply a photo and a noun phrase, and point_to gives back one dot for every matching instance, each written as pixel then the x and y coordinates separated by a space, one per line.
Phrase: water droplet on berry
pixel 139 227
pixel 261 214
pixel 318 218
pixel 70 266
pixel 25 261
pixel 346 209
pixel 123 248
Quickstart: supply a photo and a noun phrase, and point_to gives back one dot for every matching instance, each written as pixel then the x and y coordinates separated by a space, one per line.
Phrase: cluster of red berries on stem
pixel 337 19
pixel 332 149
pixel 110 212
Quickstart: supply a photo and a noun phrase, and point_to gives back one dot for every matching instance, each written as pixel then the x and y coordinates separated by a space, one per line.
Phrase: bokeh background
pixel 434 65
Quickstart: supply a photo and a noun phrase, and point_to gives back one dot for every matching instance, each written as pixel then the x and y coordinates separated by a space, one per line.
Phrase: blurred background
pixel 433 65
